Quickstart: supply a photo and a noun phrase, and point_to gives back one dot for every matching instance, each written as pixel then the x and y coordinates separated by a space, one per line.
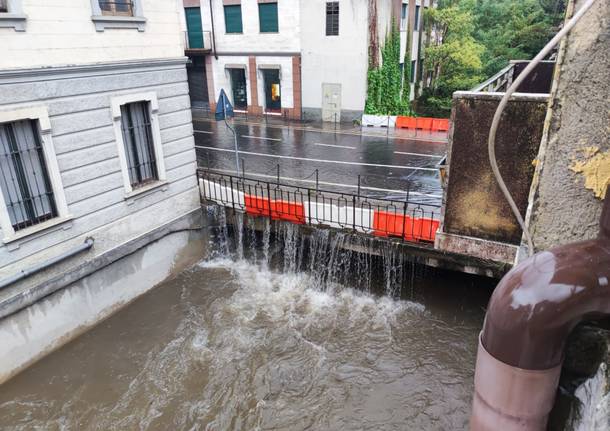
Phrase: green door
pixel 194 26
pixel 273 97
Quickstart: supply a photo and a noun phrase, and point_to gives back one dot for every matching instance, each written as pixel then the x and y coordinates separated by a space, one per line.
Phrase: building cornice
pixel 93 68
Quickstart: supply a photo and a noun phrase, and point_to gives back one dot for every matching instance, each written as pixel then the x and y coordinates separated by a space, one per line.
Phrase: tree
pixel 474 39
pixel 453 58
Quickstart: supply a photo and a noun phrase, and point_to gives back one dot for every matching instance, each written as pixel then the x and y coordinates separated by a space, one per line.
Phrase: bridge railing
pixel 406 219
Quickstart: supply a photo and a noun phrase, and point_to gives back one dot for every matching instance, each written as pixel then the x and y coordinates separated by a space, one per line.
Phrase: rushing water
pixel 274 341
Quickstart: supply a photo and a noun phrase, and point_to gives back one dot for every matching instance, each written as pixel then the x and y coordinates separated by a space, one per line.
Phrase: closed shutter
pixel 267 16
pixel 233 19
pixel 194 26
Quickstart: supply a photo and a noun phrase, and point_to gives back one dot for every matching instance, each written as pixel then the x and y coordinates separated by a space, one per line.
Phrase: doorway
pixel 331 102
pixel 273 97
pixel 239 89
pixel 198 83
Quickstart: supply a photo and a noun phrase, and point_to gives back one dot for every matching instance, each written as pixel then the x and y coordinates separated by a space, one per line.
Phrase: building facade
pixel 96 148
pixel 300 59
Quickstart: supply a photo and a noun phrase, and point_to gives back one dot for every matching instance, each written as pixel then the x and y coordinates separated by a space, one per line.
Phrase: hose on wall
pixel 491 143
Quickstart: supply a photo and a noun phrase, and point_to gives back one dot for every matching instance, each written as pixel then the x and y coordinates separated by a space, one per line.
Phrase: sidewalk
pixel 203 114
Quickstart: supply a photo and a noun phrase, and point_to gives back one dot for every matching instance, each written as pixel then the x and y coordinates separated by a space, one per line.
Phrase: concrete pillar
pixel 295 112
pixel 209 73
pixel 253 107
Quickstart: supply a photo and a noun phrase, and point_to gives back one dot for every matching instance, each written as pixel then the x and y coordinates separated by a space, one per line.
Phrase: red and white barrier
pixel 379 223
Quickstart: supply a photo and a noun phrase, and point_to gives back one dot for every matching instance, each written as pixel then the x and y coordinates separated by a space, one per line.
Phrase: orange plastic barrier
pixel 280 210
pixel 440 124
pixel 293 212
pixel 391 224
pixel 256 205
pixel 424 229
pixel 388 224
pixel 405 122
pixel 423 123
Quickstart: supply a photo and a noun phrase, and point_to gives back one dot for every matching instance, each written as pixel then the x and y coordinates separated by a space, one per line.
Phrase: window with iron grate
pixel 139 145
pixel 332 18
pixel 26 187
pixel 117 7
pixel 3 5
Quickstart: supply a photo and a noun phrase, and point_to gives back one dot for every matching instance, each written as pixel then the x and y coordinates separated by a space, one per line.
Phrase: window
pixel 332 18
pixel 403 17
pixel 194 27
pixel 416 25
pixel 138 141
pixel 233 19
pixel 26 187
pixel 138 138
pixel 267 17
pixel 112 14
pixel 116 7
pixel 11 15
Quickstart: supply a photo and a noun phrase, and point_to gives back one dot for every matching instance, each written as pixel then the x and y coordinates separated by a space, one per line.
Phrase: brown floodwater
pixel 233 346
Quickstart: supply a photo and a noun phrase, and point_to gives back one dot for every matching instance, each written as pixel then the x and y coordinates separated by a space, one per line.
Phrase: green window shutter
pixel 233 19
pixel 194 26
pixel 267 17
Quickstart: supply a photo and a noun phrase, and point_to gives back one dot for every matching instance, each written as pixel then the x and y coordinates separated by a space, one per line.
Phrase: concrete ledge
pixel 81 298
pixel 476 247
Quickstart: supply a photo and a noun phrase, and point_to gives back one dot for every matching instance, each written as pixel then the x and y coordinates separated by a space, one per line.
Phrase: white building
pixel 96 141
pixel 297 58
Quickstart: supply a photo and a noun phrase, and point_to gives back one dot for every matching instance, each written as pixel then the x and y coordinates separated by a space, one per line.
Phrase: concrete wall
pixel 252 40
pixel 61 32
pixel 574 158
pixel 475 209
pixel 34 332
pixel 339 59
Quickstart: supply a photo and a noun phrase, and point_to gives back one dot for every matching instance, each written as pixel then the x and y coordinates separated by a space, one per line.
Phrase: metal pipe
pixel 213 32
pixel 531 313
pixel 24 273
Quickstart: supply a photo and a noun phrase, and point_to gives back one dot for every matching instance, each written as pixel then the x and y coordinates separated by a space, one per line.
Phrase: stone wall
pixel 574 159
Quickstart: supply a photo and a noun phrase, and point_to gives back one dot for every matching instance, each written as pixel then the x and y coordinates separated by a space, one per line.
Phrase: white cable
pixel 504 101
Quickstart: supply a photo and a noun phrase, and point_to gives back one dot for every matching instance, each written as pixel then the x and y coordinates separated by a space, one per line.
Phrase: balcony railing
pixel 206 42
pixel 405 220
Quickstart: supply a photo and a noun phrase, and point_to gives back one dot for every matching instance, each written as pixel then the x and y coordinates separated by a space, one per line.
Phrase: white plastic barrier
pixel 339 217
pixel 379 120
pixel 221 194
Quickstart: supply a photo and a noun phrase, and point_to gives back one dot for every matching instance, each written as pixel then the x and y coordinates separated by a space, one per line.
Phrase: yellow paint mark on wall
pixel 595 169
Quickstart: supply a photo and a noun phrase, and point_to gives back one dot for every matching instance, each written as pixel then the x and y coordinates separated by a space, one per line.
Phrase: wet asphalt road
pixel 388 166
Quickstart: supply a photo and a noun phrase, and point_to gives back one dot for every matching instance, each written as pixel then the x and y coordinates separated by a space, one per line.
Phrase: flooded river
pixel 232 345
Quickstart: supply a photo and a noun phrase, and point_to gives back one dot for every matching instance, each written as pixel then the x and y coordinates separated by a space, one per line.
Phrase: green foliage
pixel 474 39
pixel 385 93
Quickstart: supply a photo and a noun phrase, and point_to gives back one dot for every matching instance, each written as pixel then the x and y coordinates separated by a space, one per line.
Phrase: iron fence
pixel 404 219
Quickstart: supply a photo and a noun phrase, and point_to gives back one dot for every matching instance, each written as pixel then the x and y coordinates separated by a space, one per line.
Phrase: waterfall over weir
pixel 332 258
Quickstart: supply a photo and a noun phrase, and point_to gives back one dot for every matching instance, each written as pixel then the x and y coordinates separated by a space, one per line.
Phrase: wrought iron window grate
pixel 25 182
pixel 332 18
pixel 3 5
pixel 138 140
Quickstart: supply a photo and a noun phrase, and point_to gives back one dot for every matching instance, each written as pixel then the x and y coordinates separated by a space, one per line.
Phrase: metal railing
pixel 499 82
pixel 206 41
pixel 405 219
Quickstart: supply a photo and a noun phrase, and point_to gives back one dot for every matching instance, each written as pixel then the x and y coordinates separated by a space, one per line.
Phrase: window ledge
pixel 102 22
pixel 13 20
pixel 23 233
pixel 140 192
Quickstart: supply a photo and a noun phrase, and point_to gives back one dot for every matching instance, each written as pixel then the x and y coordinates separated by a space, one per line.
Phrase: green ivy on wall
pixel 387 85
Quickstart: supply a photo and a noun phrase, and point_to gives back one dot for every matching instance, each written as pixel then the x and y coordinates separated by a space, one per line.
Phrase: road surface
pixel 388 166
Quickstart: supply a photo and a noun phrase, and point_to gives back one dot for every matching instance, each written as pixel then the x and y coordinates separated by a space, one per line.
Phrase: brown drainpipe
pixel 532 311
